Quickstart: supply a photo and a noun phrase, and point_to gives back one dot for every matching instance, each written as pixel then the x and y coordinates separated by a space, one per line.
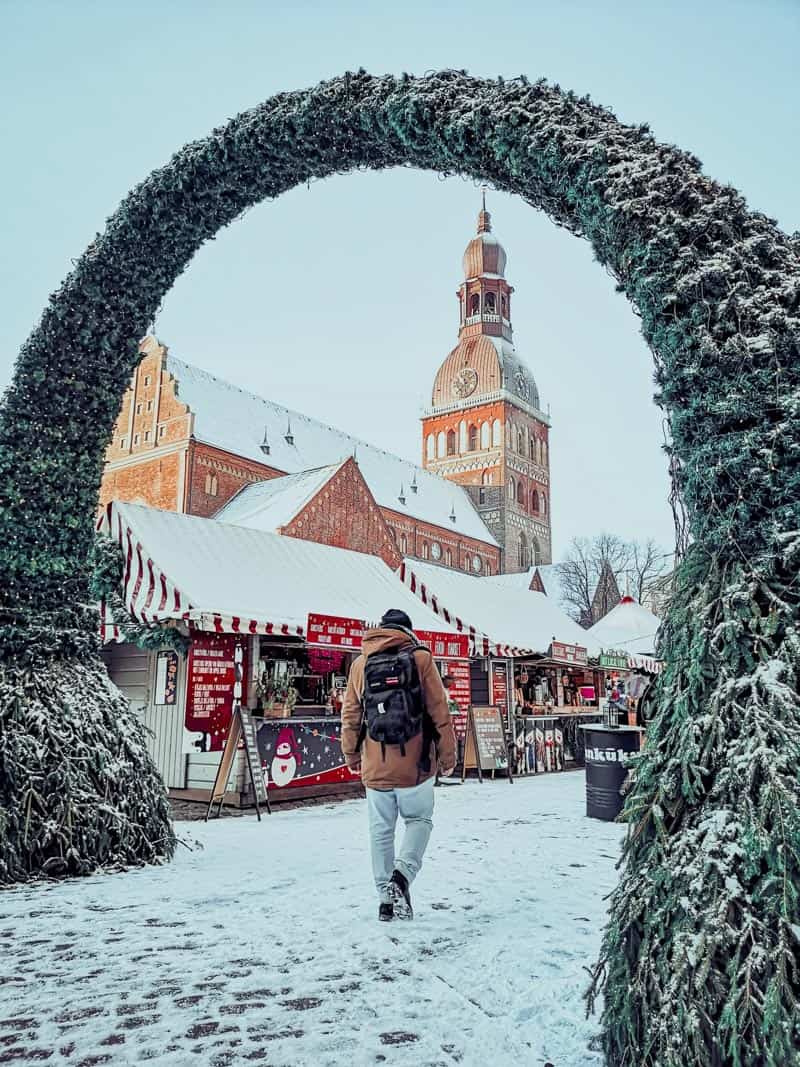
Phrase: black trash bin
pixel 606 750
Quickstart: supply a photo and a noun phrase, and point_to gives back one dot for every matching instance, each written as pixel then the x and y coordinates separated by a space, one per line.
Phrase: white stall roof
pixel 230 577
pixel 233 419
pixel 629 627
pixel 520 620
pixel 272 504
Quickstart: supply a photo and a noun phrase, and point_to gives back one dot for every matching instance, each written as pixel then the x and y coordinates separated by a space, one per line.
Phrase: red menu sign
pixel 460 693
pixel 500 686
pixel 444 645
pixel 209 697
pixel 334 631
pixel 575 655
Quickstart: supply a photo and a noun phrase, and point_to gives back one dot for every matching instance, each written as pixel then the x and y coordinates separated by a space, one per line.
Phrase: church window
pixel 534 501
pixel 472 438
pixel 521 494
pixel 448 557
pixel 490 303
pixel 488 570
pixel 451 442
pixel 211 485
pixel 441 444
pixel 520 442
pixel 475 304
pixel 497 434
pixel 512 489
pixel 462 436
pixel 425 552
pixel 403 544
pixel 486 435
pixel 430 446
pixel 544 504
pixel 136 439
pixel 147 435
pixel 523 551
pixel 532 446
pixel 544 454
pixel 504 305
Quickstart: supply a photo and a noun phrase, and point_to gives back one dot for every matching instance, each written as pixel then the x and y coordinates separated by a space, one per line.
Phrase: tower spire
pixel 484 218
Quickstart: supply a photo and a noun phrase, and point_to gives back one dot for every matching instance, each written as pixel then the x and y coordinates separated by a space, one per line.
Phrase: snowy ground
pixel 263 945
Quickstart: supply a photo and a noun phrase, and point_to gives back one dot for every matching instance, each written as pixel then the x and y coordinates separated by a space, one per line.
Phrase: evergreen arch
pixel 699 961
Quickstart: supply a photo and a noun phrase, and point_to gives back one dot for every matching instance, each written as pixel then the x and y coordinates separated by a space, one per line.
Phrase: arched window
pixel 486 478
pixel 504 305
pixel 512 490
pixel 523 551
pixel 475 304
pixel 538 450
pixel 490 304
pixel 462 436
pixel 451 442
pixel 441 444
pixel 472 437
pixel 486 435
pixel 488 570
pixel 430 446
pixel 544 504
pixel 425 551
pixel 211 484
pixel 545 457
pixel 520 442
pixel 521 494
pixel 404 544
pixel 448 557
pixel 497 434
pixel 534 501
pixel 532 445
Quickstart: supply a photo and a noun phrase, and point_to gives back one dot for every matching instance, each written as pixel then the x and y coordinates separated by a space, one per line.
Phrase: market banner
pixel 574 655
pixel 211 674
pixel 444 645
pixel 335 631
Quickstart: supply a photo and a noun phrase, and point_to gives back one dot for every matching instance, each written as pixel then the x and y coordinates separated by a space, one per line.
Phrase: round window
pixel 477 564
pixel 436 550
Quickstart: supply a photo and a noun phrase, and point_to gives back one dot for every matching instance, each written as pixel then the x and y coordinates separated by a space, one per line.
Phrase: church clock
pixel 465 382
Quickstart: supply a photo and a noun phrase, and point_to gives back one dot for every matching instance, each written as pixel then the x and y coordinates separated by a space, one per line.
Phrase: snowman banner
pixel 305 753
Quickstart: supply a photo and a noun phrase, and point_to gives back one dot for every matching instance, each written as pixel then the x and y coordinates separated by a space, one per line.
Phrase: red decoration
pixel 335 631
pixel 211 677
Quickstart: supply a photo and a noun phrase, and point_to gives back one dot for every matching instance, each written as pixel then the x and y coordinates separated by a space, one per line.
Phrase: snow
pixel 261 944
pixel 508 615
pixel 630 627
pixel 272 504
pixel 235 420
pixel 251 574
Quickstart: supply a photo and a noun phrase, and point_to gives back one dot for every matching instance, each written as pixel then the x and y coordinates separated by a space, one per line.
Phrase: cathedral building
pixel 485 428
pixel 186 441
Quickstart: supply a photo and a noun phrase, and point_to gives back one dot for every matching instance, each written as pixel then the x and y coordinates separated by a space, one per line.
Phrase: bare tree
pixel 596 570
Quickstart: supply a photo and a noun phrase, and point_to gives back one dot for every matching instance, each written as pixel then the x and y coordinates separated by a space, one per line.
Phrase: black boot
pixel 386 912
pixel 398 887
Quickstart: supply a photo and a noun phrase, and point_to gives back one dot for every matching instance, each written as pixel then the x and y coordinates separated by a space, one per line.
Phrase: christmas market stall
pixel 535 667
pixel 198 590
pixel 627 636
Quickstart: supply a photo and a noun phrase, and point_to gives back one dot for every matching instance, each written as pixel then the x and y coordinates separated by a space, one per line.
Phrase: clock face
pixel 477 564
pixel 465 382
pixel 521 382
pixel 436 550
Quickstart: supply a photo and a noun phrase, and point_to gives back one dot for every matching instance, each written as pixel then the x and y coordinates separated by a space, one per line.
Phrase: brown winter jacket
pixel 396 771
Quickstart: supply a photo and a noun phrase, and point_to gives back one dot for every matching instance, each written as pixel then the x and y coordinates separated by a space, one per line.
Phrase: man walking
pixel 395 726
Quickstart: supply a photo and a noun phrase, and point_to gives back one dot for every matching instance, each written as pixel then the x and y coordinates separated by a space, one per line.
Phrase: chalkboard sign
pixel 486 743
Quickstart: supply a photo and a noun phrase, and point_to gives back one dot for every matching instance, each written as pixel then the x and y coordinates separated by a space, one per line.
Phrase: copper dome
pixel 484 254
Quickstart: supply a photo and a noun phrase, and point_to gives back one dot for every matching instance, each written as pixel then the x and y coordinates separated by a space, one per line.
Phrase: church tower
pixel 485 428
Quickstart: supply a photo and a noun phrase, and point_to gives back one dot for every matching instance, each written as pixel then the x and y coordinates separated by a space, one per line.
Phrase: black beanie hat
pixel 394 618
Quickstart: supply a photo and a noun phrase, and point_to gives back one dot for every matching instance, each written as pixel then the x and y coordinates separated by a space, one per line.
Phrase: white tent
pixel 629 627
pixel 518 620
pixel 230 578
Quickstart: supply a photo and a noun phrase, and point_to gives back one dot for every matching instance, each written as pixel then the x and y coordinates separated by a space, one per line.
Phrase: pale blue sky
pixel 339 300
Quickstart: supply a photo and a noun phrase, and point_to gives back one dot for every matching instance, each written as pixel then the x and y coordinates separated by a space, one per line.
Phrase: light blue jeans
pixel 415 806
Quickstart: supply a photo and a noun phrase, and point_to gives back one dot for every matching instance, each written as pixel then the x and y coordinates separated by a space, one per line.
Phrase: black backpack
pixel 393 705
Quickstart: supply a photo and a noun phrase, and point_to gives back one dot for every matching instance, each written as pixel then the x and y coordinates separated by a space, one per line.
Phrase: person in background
pixel 396 725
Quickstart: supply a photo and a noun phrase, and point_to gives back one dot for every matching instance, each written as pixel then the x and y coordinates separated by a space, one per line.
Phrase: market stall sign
pixel 575 655
pixel 459 694
pixel 166 685
pixel 444 645
pixel 616 660
pixel 335 631
pixel 500 684
pixel 211 678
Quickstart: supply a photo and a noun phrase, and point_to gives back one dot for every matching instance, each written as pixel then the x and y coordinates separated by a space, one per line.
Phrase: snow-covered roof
pixel 235 420
pixel 509 616
pixel 272 504
pixel 217 575
pixel 550 573
pixel 630 627
pixel 515 580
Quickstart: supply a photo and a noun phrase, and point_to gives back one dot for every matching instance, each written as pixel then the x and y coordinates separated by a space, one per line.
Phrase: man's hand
pixel 354 768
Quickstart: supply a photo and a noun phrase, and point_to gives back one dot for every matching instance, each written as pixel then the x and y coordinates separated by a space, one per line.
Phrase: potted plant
pixel 277 696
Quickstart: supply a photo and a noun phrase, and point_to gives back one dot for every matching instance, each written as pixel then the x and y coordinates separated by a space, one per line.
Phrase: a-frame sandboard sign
pixel 242 728
pixel 485 746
